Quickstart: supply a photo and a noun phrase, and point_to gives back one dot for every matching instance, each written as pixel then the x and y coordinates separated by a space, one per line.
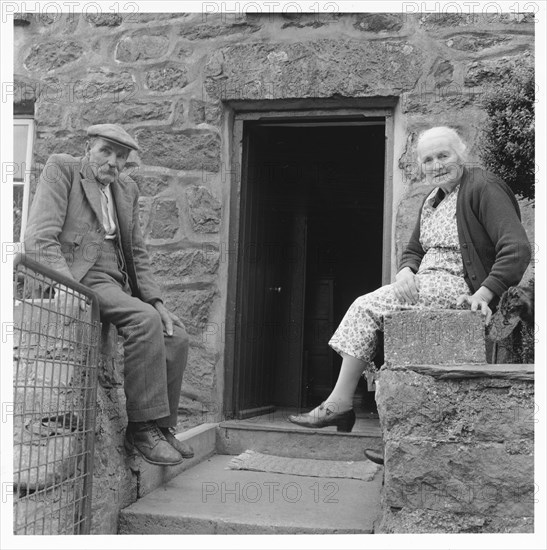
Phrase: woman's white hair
pixel 453 137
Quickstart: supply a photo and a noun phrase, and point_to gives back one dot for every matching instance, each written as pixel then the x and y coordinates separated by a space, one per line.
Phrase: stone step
pixel 150 476
pixel 211 499
pixel 274 434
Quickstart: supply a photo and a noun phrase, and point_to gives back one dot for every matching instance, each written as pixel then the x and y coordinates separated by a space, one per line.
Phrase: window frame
pixel 25 171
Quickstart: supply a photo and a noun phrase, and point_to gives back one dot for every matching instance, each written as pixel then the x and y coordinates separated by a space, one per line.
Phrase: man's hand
pixel 406 286
pixel 167 318
pixel 66 300
pixel 479 300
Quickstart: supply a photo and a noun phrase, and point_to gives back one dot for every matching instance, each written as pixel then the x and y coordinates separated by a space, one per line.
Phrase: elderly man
pixel 84 222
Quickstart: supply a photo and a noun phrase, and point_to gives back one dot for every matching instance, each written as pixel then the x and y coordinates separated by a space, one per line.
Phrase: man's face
pixel 107 159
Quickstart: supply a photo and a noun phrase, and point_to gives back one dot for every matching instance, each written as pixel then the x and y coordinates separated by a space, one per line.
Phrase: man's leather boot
pixel 183 448
pixel 148 440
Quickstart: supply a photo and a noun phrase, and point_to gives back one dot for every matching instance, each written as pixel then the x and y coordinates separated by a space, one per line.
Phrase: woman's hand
pixel 479 300
pixel 406 287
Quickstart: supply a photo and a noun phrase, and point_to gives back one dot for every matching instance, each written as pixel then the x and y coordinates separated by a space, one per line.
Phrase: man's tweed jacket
pixel 65 230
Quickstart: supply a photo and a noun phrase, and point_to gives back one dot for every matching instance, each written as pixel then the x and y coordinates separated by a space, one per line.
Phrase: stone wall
pixel 458 433
pixel 168 77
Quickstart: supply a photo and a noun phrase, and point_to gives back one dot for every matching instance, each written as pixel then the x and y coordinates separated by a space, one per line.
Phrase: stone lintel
pixel 313 69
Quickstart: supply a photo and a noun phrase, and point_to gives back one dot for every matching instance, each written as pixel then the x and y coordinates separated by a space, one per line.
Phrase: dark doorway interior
pixel 311 236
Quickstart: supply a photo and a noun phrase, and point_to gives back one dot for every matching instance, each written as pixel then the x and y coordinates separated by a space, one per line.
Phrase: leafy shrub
pixel 507 144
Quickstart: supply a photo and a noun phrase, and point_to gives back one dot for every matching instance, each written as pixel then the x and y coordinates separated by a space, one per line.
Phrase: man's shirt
pixel 109 215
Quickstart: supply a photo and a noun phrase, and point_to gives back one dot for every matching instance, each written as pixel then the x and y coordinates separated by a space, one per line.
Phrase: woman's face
pixel 441 165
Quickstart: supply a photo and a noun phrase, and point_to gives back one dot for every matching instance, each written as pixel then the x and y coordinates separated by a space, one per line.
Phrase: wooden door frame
pixel 240 112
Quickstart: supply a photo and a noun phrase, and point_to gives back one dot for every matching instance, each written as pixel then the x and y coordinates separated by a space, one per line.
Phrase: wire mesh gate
pixel 56 338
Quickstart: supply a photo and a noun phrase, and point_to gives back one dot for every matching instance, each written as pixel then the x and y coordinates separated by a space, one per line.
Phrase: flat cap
pixel 114 133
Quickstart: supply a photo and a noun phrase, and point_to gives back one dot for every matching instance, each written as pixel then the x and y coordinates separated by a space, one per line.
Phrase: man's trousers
pixel 154 362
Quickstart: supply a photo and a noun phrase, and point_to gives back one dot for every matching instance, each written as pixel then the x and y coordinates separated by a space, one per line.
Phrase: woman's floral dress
pixel 440 281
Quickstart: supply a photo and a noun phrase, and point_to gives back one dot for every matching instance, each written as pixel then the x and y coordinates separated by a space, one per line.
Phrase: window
pixel 23 134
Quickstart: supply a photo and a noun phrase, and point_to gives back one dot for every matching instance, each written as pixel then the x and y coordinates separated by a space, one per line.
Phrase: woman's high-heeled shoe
pixel 343 421
pixel 375 456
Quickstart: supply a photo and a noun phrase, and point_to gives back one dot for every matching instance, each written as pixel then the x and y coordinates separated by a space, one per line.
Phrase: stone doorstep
pixel 212 499
pixel 235 437
pixel 171 500
pixel 149 476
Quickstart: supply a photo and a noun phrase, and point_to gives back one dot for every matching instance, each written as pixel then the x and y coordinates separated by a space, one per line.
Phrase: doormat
pixel 258 462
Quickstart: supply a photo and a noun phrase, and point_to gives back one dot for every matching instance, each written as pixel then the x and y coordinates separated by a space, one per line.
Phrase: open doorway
pixel 311 237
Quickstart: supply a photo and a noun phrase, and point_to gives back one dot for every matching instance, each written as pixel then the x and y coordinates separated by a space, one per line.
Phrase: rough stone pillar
pixel 458 433
pixel 114 484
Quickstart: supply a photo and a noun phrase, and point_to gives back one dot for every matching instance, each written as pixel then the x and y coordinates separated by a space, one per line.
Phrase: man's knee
pixel 142 322
pixel 149 316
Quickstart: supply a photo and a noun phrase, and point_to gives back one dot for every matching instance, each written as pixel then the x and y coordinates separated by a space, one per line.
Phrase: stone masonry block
pixel 477 478
pixel 200 376
pixel 100 82
pixel 172 266
pixel 164 219
pixel 150 185
pixel 205 210
pixel 379 22
pixel 469 42
pixel 104 19
pixel 180 150
pixel 490 72
pixel 203 111
pixel 457 450
pixel 130 112
pixel 193 308
pixel 434 337
pixel 141 46
pixel 52 55
pixel 216 27
pixel 166 78
pixel 434 521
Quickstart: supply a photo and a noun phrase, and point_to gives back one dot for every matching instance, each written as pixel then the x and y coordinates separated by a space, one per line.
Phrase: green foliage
pixel 507 144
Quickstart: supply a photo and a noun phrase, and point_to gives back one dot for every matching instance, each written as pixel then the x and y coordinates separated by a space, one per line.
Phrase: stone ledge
pixel 508 372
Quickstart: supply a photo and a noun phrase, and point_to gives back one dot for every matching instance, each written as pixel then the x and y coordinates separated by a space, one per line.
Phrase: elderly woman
pixel 467 248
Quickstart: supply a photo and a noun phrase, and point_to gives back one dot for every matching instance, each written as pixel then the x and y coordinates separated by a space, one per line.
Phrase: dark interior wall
pixel 335 175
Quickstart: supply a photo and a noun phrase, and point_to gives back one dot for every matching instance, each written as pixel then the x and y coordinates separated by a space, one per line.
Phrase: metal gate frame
pixel 56 341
